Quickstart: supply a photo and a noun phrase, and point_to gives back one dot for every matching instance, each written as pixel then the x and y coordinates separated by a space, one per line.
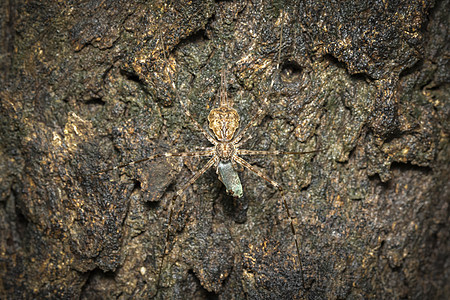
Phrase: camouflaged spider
pixel 225 152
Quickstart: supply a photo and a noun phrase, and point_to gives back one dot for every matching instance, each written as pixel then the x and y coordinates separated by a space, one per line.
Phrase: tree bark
pixel 90 85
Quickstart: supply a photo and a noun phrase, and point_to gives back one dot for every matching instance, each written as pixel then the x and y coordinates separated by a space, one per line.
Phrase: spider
pixel 225 152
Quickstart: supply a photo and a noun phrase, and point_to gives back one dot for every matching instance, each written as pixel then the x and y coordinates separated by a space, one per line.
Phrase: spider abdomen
pixel 230 178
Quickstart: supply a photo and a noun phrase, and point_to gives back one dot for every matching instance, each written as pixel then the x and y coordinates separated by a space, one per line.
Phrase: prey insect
pixel 225 153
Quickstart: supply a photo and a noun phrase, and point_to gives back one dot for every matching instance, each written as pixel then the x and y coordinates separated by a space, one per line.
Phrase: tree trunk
pixel 92 85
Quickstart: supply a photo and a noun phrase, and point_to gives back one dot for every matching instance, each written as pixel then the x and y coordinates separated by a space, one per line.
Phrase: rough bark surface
pixel 86 86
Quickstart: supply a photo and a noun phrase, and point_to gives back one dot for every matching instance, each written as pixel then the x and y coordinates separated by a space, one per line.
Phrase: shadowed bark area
pixel 89 85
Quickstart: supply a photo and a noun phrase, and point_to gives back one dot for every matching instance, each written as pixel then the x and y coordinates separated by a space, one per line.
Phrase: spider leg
pixel 255 170
pixel 199 127
pixel 128 164
pixel 208 152
pixel 208 165
pixel 194 178
pixel 261 174
pixel 297 243
pixel 273 152
pixel 223 101
pixel 253 122
pixel 242 141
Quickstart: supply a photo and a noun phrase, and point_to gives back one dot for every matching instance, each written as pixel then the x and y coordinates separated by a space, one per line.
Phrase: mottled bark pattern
pixel 86 86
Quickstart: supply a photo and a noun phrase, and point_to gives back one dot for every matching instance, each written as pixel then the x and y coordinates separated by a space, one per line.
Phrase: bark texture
pixel 86 86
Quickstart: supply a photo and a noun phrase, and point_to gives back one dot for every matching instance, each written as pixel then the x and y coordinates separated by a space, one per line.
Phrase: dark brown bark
pixel 85 87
